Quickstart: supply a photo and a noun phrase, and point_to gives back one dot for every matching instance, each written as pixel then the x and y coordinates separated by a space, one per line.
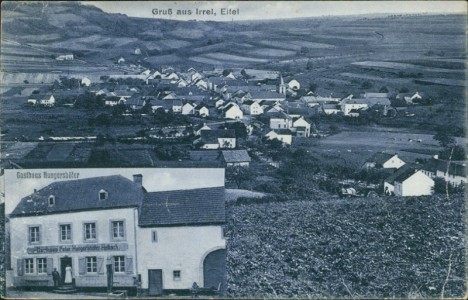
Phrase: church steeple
pixel 282 86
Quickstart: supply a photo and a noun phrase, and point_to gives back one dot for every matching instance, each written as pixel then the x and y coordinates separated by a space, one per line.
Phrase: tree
pixel 455 152
pixel 238 175
pixel 366 85
pixel 313 87
pixel 383 89
pixel 404 90
pixel 444 138
pixel 309 65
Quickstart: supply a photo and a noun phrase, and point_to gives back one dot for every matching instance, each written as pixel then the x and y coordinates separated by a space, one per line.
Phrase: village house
pixel 114 100
pixel 409 180
pixel 294 85
pixel 410 98
pixel 176 106
pixel 232 111
pixel 264 96
pixel 252 108
pixel 350 104
pixel 161 104
pixel 111 224
pixel 121 60
pixel 453 172
pixel 236 158
pixel 188 109
pixel 202 111
pixel 280 120
pixel 135 102
pixel 301 127
pixel 330 109
pixel 65 57
pixel 283 135
pixel 85 81
pixel 382 160
pixel 44 100
pixel 216 139
pixel 197 129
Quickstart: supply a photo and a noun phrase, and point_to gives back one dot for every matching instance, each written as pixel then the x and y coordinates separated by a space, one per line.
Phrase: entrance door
pixel 155 284
pixel 214 270
pixel 64 262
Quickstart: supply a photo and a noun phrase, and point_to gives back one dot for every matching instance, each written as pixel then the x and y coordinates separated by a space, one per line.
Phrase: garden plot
pixel 403 67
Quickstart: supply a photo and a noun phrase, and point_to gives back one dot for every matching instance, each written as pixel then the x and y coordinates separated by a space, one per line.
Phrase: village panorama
pixel 304 157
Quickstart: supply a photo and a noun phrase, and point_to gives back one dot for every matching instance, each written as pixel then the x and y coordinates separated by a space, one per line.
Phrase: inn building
pixel 111 224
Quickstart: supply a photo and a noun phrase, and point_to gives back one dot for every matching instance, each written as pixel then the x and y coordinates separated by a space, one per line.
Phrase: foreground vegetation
pixel 384 247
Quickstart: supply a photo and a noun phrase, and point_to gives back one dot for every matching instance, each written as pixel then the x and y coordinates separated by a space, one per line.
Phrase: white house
pixel 294 85
pixel 283 135
pixel 85 81
pixel 188 109
pixel 216 139
pixel 408 181
pixel 232 111
pixel 181 240
pixel 111 225
pixel 121 60
pixel 177 106
pixel 47 100
pixel 202 110
pixel 252 108
pixel 301 127
pixel 382 160
pixel 280 120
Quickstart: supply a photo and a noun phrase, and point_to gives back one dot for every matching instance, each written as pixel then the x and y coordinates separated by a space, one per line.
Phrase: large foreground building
pixel 111 225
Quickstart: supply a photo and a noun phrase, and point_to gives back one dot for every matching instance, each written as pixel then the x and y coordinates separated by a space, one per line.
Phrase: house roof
pixel 183 207
pixel 204 155
pixel 402 173
pixel 368 101
pixel 217 133
pixel 80 195
pixel 282 131
pixel 454 168
pixel 264 95
pixel 380 158
pixel 234 156
pixel 280 115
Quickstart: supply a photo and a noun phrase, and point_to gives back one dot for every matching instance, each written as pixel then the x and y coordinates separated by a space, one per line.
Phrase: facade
pixel 252 108
pixel 381 160
pixel 283 135
pixel 236 158
pixel 416 184
pixel 112 225
pixel 301 127
pixel 233 112
pixel 188 109
pixel 280 120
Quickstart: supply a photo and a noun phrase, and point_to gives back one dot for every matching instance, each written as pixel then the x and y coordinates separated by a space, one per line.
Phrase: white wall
pixel 49 229
pixel 394 162
pixel 280 123
pixel 177 248
pixel 418 184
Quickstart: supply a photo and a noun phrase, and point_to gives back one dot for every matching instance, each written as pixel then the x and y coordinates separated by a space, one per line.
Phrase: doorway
pixel 64 262
pixel 214 270
pixel 155 285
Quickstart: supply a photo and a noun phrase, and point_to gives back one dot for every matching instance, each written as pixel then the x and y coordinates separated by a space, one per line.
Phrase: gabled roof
pixel 81 195
pixel 235 156
pixel 183 207
pixel 402 173
pixel 217 133
pixel 204 155
pixel 380 158
pixel 280 115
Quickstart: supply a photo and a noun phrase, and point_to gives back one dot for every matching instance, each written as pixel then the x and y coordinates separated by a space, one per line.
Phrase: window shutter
pixel 81 266
pixel 50 265
pixel 20 266
pixel 129 265
pixel 100 265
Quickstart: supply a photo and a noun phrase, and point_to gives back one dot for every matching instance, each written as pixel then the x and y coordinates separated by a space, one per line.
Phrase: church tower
pixel 282 86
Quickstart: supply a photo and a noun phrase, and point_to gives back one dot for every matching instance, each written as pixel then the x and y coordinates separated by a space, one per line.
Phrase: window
pixel 28 266
pixel 118 230
pixel 119 264
pixel 42 265
pixel 154 236
pixel 65 232
pixel 91 264
pixel 90 231
pixel 102 195
pixel 176 274
pixel 51 200
pixel 34 234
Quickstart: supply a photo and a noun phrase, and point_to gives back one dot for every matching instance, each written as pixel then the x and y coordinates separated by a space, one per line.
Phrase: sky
pixel 255 10
pixel 154 179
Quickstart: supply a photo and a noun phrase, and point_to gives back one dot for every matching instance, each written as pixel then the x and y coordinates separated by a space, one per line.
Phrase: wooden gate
pixel 155 284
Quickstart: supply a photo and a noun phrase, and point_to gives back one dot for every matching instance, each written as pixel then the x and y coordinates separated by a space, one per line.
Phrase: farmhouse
pixel 135 102
pixel 382 160
pixel 236 158
pixel 409 180
pixel 199 127
pixel 202 110
pixel 301 127
pixel 85 81
pixel 452 171
pixel 330 109
pixel 216 139
pixel 251 107
pixel 232 111
pixel 44 100
pixel 280 120
pixel 177 106
pixel 112 225
pixel 348 104
pixel 188 109
pixel 294 85
pixel 283 135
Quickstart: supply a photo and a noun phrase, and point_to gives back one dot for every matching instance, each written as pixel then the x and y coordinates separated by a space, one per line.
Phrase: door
pixel 64 262
pixel 155 284
pixel 214 270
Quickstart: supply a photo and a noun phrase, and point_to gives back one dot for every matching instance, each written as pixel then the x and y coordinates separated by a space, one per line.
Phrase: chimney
pixel 138 179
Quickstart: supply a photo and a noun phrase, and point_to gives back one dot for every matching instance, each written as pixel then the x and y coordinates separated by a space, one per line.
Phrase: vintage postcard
pixel 233 149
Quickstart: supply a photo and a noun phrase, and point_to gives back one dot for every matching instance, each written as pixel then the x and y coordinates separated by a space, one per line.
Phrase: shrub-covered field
pixel 384 247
